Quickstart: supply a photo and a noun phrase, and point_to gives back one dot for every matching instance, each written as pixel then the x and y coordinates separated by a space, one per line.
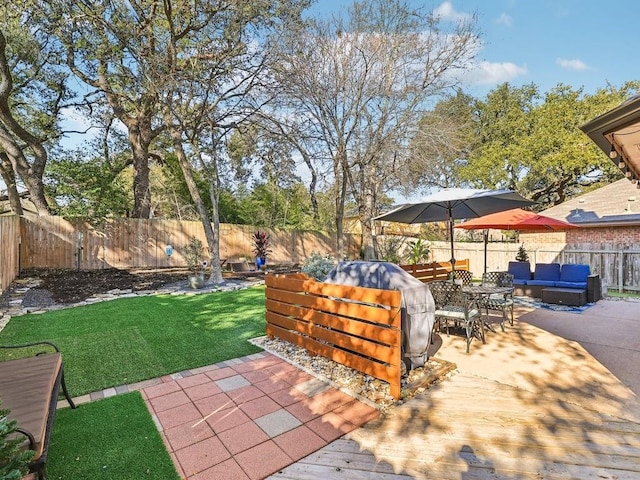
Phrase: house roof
pixel 616 204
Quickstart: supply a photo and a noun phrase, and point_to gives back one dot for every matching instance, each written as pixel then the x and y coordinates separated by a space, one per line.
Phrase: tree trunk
pixel 187 172
pixel 9 179
pixel 340 189
pixel 214 245
pixel 140 141
pixel 368 234
pixel 28 173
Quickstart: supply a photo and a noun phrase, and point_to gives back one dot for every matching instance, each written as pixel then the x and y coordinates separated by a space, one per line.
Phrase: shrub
pixel 522 255
pixel 389 249
pixel 418 252
pixel 193 255
pixel 14 462
pixel 318 266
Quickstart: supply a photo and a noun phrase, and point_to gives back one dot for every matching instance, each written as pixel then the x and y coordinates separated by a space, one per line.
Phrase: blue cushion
pixel 519 281
pixel 574 273
pixel 546 271
pixel 562 284
pixel 519 270
pixel 543 283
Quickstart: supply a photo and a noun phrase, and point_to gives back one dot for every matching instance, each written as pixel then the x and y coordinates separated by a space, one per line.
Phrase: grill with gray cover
pixel 418 309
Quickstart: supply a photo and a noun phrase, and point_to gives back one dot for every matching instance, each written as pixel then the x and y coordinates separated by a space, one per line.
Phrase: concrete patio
pixel 555 396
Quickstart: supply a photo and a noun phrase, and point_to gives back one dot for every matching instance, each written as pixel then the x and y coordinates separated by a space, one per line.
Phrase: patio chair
pixel 464 275
pixel 502 302
pixel 454 307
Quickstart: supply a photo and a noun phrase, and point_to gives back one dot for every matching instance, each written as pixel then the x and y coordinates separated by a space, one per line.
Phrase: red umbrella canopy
pixel 516 219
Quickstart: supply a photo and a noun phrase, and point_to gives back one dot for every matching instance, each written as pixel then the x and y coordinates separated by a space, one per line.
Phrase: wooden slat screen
pixel 428 272
pixel 355 326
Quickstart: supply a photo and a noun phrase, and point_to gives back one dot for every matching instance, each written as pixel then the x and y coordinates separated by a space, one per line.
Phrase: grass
pixel 110 439
pixel 132 339
pixel 617 294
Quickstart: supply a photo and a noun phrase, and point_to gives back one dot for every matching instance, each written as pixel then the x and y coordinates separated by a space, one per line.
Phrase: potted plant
pixel 261 248
pixel 195 263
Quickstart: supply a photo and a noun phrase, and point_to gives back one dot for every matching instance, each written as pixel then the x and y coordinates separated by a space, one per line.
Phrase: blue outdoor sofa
pixel 570 284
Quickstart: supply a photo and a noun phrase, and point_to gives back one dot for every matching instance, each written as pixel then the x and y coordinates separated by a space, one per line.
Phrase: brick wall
pixel 611 237
pixel 603 238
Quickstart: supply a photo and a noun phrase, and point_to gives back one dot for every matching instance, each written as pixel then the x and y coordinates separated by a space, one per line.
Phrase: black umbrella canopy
pixel 455 203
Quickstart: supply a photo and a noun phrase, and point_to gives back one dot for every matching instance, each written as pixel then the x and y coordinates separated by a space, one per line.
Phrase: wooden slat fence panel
pixel 428 272
pixel 10 251
pixel 52 242
pixel 355 326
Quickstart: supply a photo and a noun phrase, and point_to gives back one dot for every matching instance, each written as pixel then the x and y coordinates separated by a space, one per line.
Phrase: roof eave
pixel 624 115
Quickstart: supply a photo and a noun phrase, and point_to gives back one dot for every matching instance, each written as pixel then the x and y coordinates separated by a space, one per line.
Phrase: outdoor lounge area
pixel 567 284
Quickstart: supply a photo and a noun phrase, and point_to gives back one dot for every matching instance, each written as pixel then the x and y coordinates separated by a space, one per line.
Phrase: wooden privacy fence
pixel 53 242
pixel 9 253
pixel 428 272
pixel 355 326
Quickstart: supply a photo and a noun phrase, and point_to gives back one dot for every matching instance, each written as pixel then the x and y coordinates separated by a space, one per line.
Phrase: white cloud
pixel 446 11
pixel 573 64
pixel 494 73
pixel 505 20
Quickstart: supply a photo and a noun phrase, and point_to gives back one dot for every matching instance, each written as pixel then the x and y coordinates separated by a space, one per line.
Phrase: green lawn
pixel 614 293
pixel 111 439
pixel 127 340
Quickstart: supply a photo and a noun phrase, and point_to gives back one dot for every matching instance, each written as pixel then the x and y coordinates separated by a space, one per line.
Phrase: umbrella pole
pixel 485 234
pixel 453 260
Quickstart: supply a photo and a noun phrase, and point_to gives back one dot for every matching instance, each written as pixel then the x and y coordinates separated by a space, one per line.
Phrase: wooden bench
pixel 29 388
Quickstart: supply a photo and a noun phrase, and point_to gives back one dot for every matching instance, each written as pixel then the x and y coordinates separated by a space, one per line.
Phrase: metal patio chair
pixel 465 275
pixel 501 302
pixel 453 307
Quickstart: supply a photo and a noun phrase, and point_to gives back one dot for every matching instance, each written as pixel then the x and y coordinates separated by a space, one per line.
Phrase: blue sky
pixel 581 43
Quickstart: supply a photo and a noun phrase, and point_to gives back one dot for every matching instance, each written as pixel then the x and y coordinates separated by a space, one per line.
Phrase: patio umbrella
pixel 515 219
pixel 455 203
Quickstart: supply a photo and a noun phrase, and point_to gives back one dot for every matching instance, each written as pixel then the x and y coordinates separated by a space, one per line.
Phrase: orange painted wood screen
pixel 355 326
pixel 428 272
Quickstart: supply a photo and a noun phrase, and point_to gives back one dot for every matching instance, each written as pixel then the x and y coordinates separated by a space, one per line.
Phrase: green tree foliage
pixel 497 159
pixel 270 206
pixel 86 186
pixel 532 143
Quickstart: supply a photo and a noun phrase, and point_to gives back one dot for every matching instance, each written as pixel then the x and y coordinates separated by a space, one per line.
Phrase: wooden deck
pixel 469 427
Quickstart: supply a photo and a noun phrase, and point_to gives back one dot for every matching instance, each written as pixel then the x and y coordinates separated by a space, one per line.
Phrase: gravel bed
pixel 360 385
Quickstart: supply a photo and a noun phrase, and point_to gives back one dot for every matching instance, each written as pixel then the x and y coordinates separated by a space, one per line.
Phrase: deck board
pixel 469 427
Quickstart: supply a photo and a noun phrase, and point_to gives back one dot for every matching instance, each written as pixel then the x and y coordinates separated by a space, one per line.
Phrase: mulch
pixel 72 286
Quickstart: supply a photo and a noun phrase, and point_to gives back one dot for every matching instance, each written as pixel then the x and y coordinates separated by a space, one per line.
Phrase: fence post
pixel 620 271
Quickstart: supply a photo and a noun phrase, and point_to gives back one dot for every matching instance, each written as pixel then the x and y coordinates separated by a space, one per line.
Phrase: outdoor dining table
pixel 475 292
